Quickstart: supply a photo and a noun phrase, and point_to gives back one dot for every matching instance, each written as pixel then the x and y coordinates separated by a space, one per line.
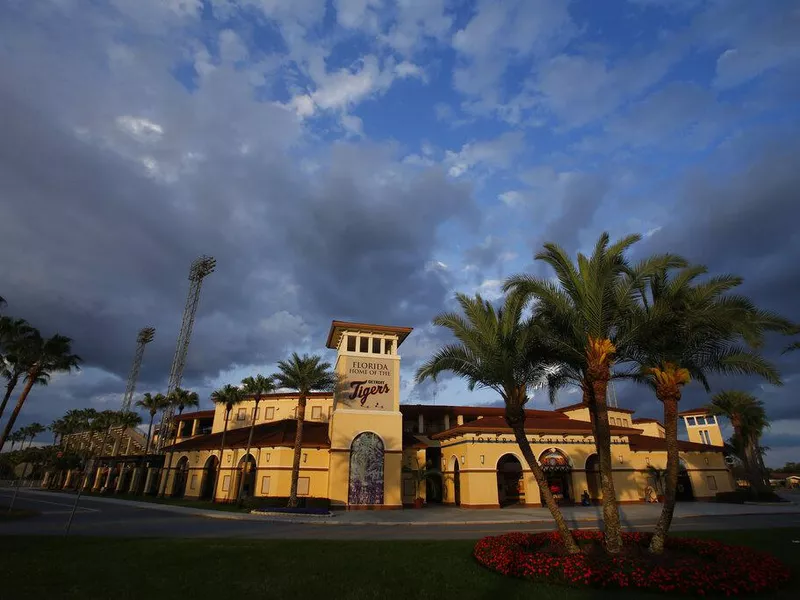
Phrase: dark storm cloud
pixel 113 178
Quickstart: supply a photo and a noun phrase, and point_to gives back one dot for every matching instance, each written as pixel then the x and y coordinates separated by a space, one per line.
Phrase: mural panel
pixel 366 470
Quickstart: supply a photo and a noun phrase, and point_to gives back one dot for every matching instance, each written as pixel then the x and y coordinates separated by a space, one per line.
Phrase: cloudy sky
pixel 365 159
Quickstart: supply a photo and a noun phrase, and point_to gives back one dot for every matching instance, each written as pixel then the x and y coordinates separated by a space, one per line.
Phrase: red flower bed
pixel 688 566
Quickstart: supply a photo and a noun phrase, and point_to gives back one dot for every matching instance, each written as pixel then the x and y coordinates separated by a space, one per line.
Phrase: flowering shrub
pixel 689 566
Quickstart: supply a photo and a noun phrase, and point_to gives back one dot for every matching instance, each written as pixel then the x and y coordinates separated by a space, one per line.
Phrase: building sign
pixel 367 383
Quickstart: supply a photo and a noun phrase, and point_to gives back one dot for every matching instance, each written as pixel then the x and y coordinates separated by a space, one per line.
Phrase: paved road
pixel 104 519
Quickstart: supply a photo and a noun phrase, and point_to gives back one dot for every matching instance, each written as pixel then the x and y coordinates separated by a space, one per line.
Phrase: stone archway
pixel 208 486
pixel 593 478
pixel 509 481
pixel 366 470
pixel 558 470
pixel 248 471
pixel 180 478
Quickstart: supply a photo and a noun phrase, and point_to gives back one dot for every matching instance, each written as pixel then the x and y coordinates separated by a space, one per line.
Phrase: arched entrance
pixel 509 481
pixel 366 470
pixel 248 471
pixel 684 491
pixel 593 478
pixel 456 482
pixel 179 480
pixel 558 470
pixel 209 478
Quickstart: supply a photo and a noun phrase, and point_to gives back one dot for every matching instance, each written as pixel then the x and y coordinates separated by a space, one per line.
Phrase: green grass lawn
pixel 155 569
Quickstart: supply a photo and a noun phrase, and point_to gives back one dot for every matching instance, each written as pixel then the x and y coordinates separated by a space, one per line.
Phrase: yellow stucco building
pixel 359 443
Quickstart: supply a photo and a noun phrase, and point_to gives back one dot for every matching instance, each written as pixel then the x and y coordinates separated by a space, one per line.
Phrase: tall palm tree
pixel 500 350
pixel 584 314
pixel 126 419
pixel 748 419
pixel 152 404
pixel 181 399
pixel 41 358
pixel 257 387
pixel 228 396
pixel 18 436
pixel 33 430
pixel 14 333
pixel 304 374
pixel 688 329
pixel 58 429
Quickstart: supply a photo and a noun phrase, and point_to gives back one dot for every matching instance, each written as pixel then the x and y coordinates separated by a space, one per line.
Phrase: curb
pixel 331 520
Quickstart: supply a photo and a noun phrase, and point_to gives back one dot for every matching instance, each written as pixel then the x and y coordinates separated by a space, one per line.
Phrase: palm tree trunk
pixel 221 452
pixel 12 383
pixel 246 454
pixel 670 401
pixel 20 401
pixel 547 495
pixel 602 436
pixel 149 432
pixel 751 464
pixel 298 443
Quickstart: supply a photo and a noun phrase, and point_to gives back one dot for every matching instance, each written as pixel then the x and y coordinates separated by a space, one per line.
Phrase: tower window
pixel 389 346
pixel 351 343
pixel 376 345
pixel 364 346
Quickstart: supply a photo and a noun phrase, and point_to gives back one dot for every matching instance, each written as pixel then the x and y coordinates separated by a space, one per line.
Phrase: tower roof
pixel 339 327
pixel 693 411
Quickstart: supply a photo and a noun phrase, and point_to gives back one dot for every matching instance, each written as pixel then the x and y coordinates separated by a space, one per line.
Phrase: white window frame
pixel 303 486
pixel 265 485
pixel 269 413
pixel 316 413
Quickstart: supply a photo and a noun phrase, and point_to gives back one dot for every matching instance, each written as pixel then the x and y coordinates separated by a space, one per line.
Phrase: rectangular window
pixel 712 482
pixel 316 412
pixel 351 343
pixel 265 486
pixel 241 415
pixel 363 344
pixel 701 420
pixel 626 423
pixel 193 484
pixel 303 483
pixel 388 347
pixel 257 413
pixel 711 420
pixel 691 421
pixel 269 413
pixel 376 345
pixel 226 483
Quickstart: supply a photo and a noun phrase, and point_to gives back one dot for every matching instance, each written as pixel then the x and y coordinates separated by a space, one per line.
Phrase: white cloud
pixel 356 14
pixel 490 289
pixel 491 154
pixel 346 88
pixel 140 128
pixel 416 22
pixel 352 124
pixel 511 198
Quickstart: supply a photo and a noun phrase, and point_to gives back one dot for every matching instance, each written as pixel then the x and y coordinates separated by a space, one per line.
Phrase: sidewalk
pixel 443 515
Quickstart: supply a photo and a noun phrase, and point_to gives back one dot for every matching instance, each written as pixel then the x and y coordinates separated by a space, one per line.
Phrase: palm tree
pixel 41 358
pixel 687 329
pixel 257 387
pixel 304 374
pixel 18 436
pixel 228 396
pixel 584 314
pixel 13 335
pixel 499 350
pixel 152 404
pixel 182 399
pixel 33 430
pixel 126 419
pixel 748 419
pixel 57 428
pixel 790 348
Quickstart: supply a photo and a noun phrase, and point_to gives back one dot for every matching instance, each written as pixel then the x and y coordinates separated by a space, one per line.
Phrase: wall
pixel 283 408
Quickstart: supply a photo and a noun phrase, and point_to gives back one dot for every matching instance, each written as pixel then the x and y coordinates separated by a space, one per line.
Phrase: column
pixel 446 422
pixel 195 426
pixel 420 424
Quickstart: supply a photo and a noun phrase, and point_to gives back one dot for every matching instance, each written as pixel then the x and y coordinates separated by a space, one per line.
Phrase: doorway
pixel 248 471
pixel 509 481
pixel 684 491
pixel 181 475
pixel 593 478
pixel 209 478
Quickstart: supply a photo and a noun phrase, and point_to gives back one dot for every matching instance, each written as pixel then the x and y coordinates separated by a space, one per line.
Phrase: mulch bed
pixel 688 566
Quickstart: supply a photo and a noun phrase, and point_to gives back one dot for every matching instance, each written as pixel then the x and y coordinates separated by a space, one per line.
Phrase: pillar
pixel 195 426
pixel 420 424
pixel 148 482
pixel 446 422
pixel 128 446
pixel 460 420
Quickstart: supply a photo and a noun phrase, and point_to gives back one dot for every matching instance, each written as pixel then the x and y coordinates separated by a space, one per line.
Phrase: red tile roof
pixel 337 328
pixel 640 443
pixel 200 414
pixel 584 405
pixel 430 410
pixel 534 424
pixel 277 433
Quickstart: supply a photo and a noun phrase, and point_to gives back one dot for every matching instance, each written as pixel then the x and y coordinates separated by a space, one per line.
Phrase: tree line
pixel 661 322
